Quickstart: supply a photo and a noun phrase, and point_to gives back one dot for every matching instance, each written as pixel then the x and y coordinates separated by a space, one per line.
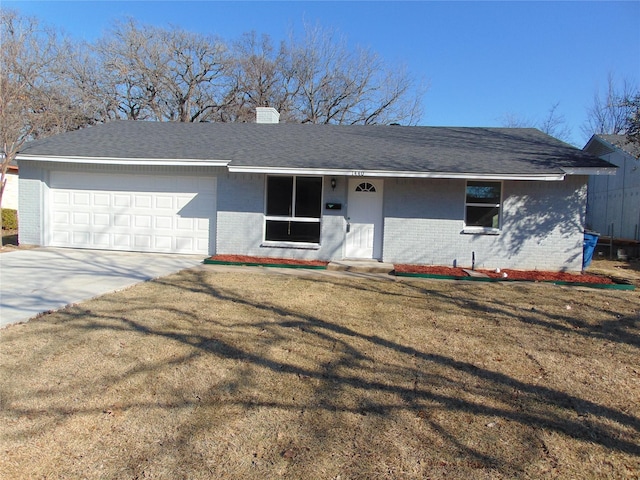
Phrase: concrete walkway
pixel 360 266
pixel 44 279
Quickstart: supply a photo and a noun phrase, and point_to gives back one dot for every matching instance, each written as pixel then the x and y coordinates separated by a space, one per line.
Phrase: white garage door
pixel 132 212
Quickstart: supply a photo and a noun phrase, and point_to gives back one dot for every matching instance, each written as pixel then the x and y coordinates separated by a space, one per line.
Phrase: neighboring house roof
pixel 602 144
pixel 328 149
pixel 13 165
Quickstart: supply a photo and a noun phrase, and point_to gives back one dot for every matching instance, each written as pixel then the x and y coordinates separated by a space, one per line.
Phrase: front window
pixel 294 208
pixel 483 202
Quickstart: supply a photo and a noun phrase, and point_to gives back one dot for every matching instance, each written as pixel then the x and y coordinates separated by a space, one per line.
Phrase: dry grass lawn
pixel 629 270
pixel 261 373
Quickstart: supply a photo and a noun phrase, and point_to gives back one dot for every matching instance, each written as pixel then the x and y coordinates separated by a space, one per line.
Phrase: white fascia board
pixel 591 171
pixel 394 174
pixel 127 161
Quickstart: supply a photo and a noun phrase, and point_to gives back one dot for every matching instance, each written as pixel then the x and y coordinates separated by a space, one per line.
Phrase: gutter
pixel 547 177
pixel 125 161
pixel 591 171
pixel 395 173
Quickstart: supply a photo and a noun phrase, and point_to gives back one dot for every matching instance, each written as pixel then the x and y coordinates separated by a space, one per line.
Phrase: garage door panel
pixel 164 223
pixel 184 244
pixel 122 241
pixel 143 201
pixel 81 199
pixel 164 201
pixel 184 200
pixel 202 244
pixel 162 242
pixel 121 220
pixel 81 238
pixel 61 218
pixel 202 224
pixel 142 221
pixel 136 212
pixel 120 200
pixel 61 198
pixel 101 219
pixel 63 238
pixel 101 199
pixel 101 240
pixel 184 223
pixel 81 218
pixel 143 241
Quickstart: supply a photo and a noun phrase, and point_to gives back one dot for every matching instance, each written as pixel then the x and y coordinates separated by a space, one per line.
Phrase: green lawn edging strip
pixel 604 286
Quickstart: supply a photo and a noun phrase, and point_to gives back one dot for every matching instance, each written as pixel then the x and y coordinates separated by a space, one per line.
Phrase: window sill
pixel 292 245
pixel 480 231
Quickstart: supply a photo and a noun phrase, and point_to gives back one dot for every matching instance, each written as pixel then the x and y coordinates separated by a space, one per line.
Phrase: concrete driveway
pixel 43 279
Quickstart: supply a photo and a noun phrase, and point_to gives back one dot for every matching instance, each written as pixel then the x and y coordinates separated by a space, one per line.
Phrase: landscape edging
pixel 604 286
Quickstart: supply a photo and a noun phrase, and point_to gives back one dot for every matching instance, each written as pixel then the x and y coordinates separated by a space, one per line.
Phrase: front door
pixel 364 210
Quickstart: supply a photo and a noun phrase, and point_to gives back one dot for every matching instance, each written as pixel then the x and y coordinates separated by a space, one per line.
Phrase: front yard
pixel 260 373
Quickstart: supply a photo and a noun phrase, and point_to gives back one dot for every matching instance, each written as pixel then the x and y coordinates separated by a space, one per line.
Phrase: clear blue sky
pixel 481 60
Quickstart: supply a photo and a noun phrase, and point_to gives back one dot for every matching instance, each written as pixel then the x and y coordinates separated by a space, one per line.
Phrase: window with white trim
pixel 294 208
pixel 482 206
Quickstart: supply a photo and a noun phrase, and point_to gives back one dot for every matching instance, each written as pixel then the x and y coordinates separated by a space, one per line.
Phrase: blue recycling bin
pixel 588 247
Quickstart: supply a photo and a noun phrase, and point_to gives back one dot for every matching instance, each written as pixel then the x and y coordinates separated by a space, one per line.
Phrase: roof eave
pixel 396 174
pixel 591 170
pixel 126 161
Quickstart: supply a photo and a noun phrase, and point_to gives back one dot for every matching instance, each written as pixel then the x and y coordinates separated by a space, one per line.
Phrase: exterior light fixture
pixel 333 184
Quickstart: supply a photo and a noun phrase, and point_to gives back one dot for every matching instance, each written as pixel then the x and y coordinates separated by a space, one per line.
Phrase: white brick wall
pixel 240 222
pixel 542 222
pixel 30 203
pixel 542 225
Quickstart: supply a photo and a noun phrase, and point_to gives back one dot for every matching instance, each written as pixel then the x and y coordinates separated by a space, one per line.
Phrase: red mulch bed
pixel 267 260
pixel 529 275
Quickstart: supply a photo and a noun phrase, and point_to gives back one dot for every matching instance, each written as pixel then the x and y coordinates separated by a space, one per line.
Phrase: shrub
pixel 9 219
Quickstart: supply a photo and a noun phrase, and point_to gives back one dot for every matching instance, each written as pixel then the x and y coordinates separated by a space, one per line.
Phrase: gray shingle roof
pixel 623 143
pixel 387 148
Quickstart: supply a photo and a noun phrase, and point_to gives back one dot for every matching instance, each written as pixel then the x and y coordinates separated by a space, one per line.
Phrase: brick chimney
pixel 267 115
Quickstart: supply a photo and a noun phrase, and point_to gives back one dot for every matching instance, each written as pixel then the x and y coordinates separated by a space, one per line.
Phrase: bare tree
pixel 34 100
pixel 609 114
pixel 162 74
pixel 553 123
pixel 173 75
pixel 133 66
pixel 257 78
pixel 514 120
pixel 196 66
pixel 330 83
pixel 87 84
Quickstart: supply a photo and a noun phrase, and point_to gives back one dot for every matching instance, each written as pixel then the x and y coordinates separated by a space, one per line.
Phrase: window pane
pixel 366 187
pixel 279 195
pixel 483 217
pixel 308 197
pixel 483 192
pixel 283 231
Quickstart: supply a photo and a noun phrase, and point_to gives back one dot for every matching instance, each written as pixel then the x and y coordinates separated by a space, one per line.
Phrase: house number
pixel 357 173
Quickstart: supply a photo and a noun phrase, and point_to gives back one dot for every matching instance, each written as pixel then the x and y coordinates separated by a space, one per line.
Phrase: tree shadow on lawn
pixel 620 329
pixel 413 382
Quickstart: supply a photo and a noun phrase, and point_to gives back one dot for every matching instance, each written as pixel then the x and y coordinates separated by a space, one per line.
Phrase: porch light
pixel 333 184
